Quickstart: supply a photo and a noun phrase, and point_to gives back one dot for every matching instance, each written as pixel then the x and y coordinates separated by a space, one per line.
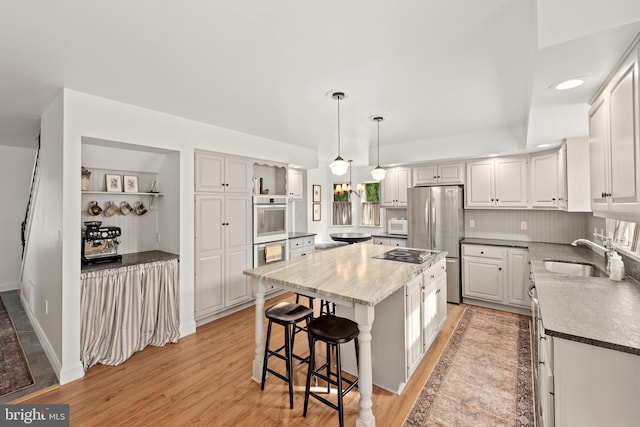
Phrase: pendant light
pixel 339 166
pixel 378 173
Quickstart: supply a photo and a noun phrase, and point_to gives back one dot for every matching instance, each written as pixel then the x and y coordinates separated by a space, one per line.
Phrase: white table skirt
pixel 125 309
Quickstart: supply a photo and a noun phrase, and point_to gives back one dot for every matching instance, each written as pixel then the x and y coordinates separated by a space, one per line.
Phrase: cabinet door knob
pixel 492 200
pixel 499 268
pixel 553 199
pixel 435 177
pixel 481 252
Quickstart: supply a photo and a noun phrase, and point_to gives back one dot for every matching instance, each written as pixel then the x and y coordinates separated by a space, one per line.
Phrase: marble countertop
pixel 131 259
pixel 591 310
pixel 298 234
pixel 348 273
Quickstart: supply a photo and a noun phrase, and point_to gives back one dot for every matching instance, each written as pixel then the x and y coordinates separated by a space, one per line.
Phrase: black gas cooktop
pixel 415 256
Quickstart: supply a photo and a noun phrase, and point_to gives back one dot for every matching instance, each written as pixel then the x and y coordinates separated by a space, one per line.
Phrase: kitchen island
pixel 357 280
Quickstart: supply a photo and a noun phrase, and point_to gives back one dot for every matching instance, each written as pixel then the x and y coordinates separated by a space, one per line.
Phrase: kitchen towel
pixel 273 252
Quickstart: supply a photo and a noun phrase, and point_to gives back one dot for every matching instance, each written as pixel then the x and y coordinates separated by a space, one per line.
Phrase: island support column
pixel 364 317
pixel 259 288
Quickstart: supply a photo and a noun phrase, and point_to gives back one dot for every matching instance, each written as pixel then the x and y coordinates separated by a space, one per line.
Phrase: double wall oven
pixel 269 229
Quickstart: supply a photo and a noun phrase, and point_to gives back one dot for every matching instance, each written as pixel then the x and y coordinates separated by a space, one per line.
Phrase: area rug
pixel 15 373
pixel 483 377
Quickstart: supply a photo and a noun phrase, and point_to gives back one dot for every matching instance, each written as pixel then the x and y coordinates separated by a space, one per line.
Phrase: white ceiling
pixel 434 69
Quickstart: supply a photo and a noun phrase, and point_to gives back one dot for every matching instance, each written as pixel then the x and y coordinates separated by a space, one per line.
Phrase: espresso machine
pixel 99 244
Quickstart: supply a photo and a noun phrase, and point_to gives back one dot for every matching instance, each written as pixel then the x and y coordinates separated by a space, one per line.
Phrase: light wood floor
pixel 205 380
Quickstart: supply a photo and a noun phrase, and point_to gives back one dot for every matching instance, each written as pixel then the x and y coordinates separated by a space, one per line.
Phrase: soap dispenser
pixel 617 267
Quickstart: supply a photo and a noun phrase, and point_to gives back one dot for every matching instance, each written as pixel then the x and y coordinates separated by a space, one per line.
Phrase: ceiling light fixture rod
pixel 378 173
pixel 338 166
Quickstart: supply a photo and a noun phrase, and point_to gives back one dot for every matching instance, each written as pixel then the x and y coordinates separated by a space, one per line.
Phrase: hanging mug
pixel 94 209
pixel 110 209
pixel 140 209
pixel 125 208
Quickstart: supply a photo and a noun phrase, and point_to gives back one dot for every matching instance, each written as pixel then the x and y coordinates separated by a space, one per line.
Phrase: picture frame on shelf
pixel 130 183
pixel 113 183
pixel 317 191
pixel 317 209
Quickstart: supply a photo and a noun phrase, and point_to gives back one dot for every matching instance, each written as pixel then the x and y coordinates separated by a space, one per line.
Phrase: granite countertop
pixel 591 310
pixel 495 242
pixel 298 234
pixel 348 273
pixel 392 236
pixel 131 259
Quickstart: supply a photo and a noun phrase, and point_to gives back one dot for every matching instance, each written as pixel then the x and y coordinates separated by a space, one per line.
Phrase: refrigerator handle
pixel 432 225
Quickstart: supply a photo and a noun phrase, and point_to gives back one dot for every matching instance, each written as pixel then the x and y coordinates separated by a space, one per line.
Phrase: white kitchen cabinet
pixel 518 273
pixel 394 187
pixel 220 173
pixel 499 182
pixel 389 241
pixel 434 309
pixel 295 187
pixel 562 177
pixel 413 322
pixel 483 275
pixel 223 250
pixel 573 175
pixel 398 342
pixel 301 246
pixel 439 174
pixel 593 386
pixel 544 180
pixel 614 135
pixel 496 274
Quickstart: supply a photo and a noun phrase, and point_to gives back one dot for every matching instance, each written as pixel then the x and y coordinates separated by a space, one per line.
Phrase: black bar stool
pixel 327 307
pixel 287 315
pixel 333 331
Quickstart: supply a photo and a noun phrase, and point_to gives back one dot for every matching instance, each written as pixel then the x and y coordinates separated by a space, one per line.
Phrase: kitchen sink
pixel 571 268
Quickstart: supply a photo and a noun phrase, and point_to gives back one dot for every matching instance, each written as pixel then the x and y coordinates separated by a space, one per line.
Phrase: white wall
pixel 42 279
pixel 16 165
pixel 86 116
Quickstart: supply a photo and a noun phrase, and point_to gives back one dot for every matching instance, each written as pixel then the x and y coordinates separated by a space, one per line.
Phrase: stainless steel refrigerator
pixel 436 221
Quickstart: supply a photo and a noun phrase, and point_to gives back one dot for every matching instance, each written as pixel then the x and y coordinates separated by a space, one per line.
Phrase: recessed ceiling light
pixel 543 145
pixel 568 84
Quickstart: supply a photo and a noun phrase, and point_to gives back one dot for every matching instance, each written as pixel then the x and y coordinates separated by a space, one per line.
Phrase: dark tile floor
pixel 40 367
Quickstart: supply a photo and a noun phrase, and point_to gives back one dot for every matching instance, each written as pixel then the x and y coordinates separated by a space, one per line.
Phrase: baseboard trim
pixel 497 306
pixel 44 342
pixel 220 314
pixel 9 286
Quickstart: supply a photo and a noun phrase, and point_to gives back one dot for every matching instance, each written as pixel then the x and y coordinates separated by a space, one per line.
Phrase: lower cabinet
pixel 425 311
pixel 390 241
pixel 223 250
pixel 406 323
pixel 495 274
pixel 301 246
pixel 590 386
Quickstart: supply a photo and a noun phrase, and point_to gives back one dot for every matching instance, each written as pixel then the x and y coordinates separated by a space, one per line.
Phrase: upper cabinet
pixel 219 173
pixel 499 182
pixel 295 188
pixel 438 174
pixel 614 122
pixel 394 187
pixel 544 180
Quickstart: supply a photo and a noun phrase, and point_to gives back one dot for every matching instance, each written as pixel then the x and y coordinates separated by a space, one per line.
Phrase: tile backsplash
pixel 541 226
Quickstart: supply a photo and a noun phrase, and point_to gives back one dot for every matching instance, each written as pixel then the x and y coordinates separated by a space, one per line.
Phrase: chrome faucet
pixel 590 244
pixel 608 248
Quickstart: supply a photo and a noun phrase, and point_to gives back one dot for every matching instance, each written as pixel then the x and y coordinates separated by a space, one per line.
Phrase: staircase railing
pixel 25 226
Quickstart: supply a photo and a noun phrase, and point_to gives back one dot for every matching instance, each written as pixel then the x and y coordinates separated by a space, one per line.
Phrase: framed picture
pixel 130 184
pixel 316 193
pixel 113 183
pixel 316 211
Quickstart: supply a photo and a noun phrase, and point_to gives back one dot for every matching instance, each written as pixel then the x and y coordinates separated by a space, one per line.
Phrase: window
pixel 341 204
pixel 370 206
pixel 626 236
